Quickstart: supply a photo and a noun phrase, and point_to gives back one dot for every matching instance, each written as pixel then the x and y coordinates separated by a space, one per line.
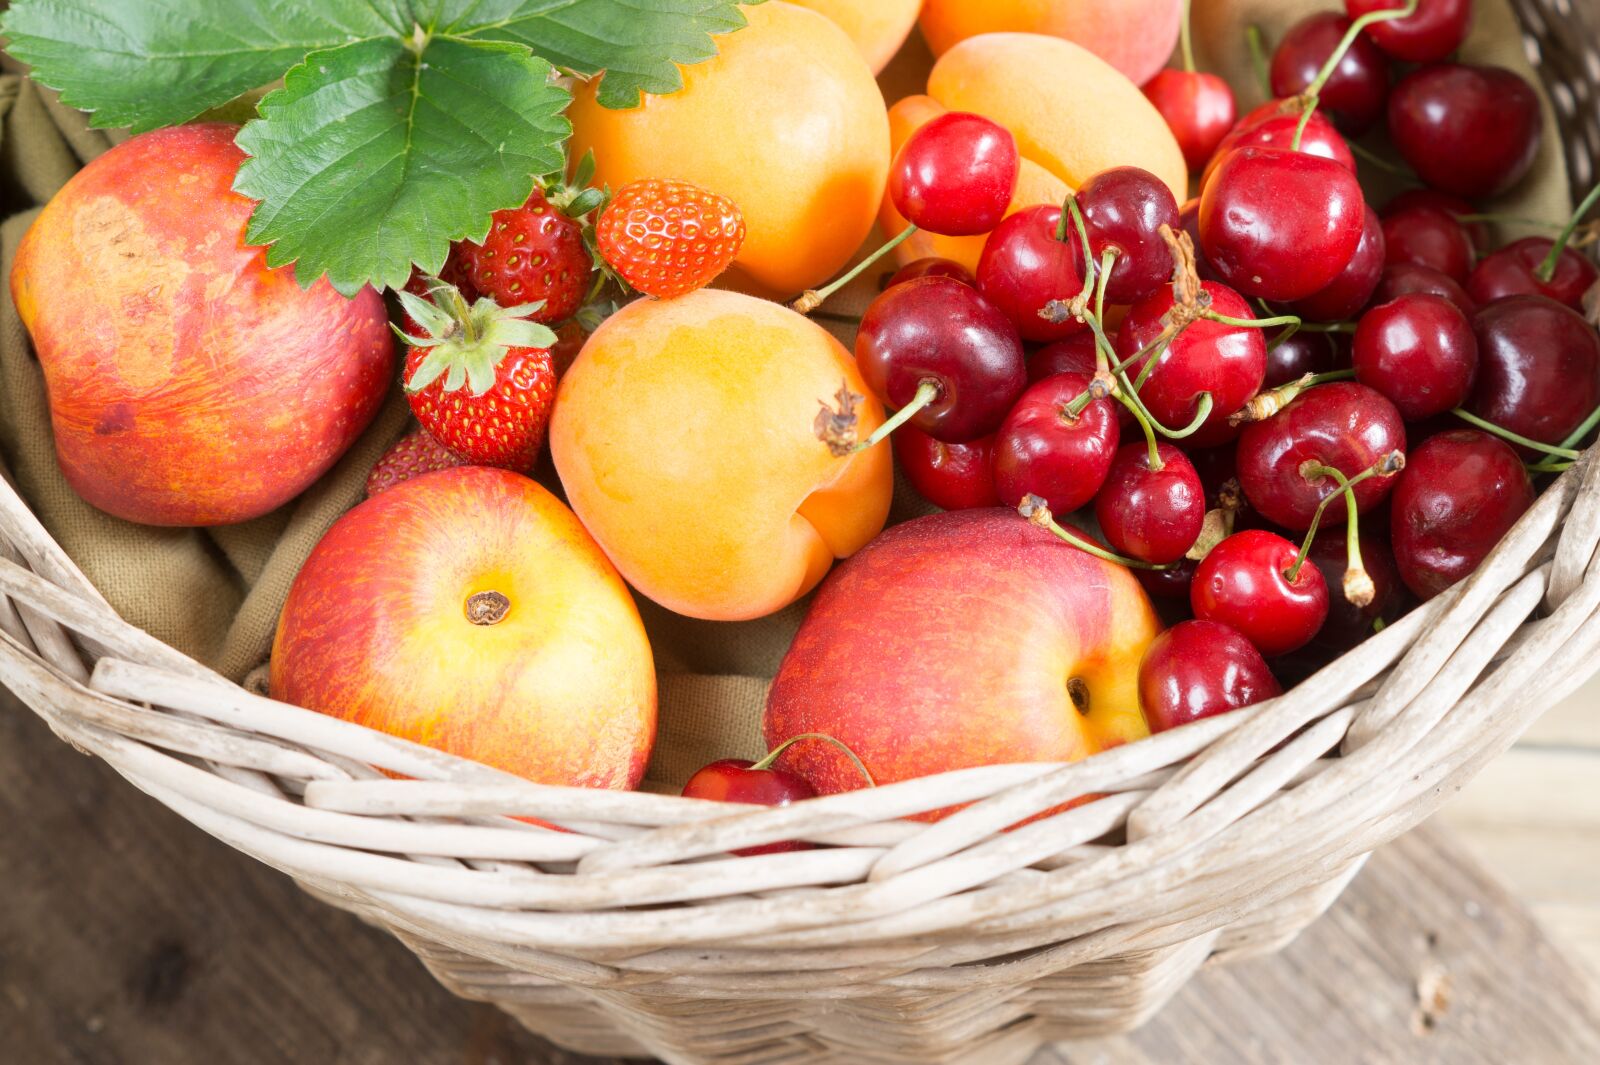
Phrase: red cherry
pixel 1538 368
pixel 955 175
pixel 1280 224
pixel 1189 217
pixel 1436 29
pixel 733 780
pixel 1199 109
pixel 1200 669
pixel 1347 293
pixel 932 266
pixel 1420 352
pixel 1170 585
pixel 1429 236
pixel 1514 271
pixel 1273 125
pixel 1227 361
pixel 1124 208
pixel 1244 582
pixel 1345 425
pixel 1076 354
pixel 950 476
pixel 1354 95
pixel 1024 266
pixel 937 329
pixel 1467 130
pixel 1042 451
pixel 1152 515
pixel 1461 491
pixel 1348 624
pixel 1302 353
pixel 1455 206
pixel 1402 279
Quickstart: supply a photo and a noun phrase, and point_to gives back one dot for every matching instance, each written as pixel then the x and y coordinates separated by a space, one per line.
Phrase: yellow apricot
pixel 1135 36
pixel 878 27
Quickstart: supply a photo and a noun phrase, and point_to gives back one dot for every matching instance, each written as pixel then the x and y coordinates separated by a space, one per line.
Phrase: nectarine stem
pixel 927 392
pixel 1547 269
pixel 811 299
pixel 1037 511
pixel 1516 438
pixel 772 756
pixel 487 608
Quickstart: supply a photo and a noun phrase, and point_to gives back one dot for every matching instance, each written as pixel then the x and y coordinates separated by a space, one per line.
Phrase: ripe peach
pixel 684 438
pixel 1135 36
pixel 786 121
pixel 468 610
pixel 1072 114
pixel 879 27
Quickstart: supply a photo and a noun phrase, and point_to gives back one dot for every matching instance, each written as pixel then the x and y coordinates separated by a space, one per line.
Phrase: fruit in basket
pixel 531 254
pixel 1538 367
pixel 468 610
pixel 1135 36
pixel 741 780
pixel 878 27
pixel 1349 624
pixel 1200 669
pixel 1045 450
pixel 961 639
pixel 1031 259
pixel 1435 30
pixel 1470 131
pixel 1355 93
pixel 188 383
pixel 1152 514
pixel 1255 582
pixel 666 238
pixel 1124 209
pixel 1519 269
pixel 1419 351
pixel 412 455
pixel 786 121
pixel 685 437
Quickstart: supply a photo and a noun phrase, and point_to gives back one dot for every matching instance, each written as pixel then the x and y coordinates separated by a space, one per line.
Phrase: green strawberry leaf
pixel 373 157
pixel 153 63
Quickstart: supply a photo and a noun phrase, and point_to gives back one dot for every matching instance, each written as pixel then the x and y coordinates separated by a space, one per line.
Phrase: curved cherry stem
pixel 766 761
pixel 1547 269
pixel 1264 405
pixel 1204 404
pixel 1584 429
pixel 1037 511
pixel 1305 120
pixel 1258 58
pixel 927 391
pixel 1254 323
pixel 1155 463
pixel 1185 44
pixel 1313 92
pixel 1387 166
pixel 1070 207
pixel 811 299
pixel 1108 262
pixel 1516 438
pixel 1357 582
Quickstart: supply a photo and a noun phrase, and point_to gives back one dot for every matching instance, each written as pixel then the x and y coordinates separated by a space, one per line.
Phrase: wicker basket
pixel 632 933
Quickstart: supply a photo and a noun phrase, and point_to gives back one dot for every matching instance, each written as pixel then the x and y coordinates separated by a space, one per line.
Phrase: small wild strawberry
pixel 414 454
pixel 666 238
pixel 532 253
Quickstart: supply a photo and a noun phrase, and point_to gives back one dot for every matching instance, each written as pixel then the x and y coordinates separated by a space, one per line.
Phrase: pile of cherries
pixel 1236 383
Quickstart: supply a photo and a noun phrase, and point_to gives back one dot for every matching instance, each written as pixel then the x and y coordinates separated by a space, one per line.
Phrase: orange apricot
pixel 1135 36
pixel 878 27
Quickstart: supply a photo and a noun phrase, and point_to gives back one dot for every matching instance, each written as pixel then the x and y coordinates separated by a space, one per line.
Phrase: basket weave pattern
pixel 631 931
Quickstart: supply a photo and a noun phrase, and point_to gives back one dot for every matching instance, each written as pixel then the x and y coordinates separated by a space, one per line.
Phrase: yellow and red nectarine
pixel 1135 36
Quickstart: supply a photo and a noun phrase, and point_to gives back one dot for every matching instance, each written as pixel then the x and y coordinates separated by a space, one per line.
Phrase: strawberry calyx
pixel 466 342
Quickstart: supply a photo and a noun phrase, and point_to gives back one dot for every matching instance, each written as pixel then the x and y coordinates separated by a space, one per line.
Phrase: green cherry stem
pixel 1254 323
pixel 1138 412
pixel 811 299
pixel 1265 404
pixel 772 756
pixel 1358 586
pixel 1547 269
pixel 1037 511
pixel 1258 58
pixel 927 391
pixel 1185 43
pixel 1367 155
pixel 1583 429
pixel 1516 438
pixel 1313 92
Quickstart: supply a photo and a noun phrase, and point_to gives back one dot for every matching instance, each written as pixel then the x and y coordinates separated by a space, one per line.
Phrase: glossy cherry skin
pixel 955 175
pixel 1303 353
pixel 1076 354
pixel 1280 224
pixel 1455 206
pixel 1169 585
pixel 936 328
pixel 1040 451
pixel 1023 267
pixel 950 476
pixel 1189 216
pixel 1151 515
pixel 1436 30
pixel 932 266
pixel 1514 271
pixel 732 780
pixel 1460 492
pixel 1199 109
pixel 1420 352
pixel 1200 669
pixel 1347 293
pixel 1467 130
pixel 1227 361
pixel 1538 368
pixel 1348 624
pixel 1400 279
pixel 1243 582
pixel 1355 94
pixel 1342 424
pixel 1429 236
pixel 1124 208
pixel 1273 125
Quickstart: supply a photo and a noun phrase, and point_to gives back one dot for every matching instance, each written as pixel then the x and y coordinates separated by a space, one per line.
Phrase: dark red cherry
pixel 1280 224
pixel 1152 515
pixel 1273 125
pixel 932 266
pixel 937 329
pixel 1189 216
pixel 1436 30
pixel 1467 130
pixel 1347 293
pixel 1199 109
pixel 1227 361
pixel 1355 93
pixel 1302 353
pixel 1169 585
pixel 1200 669
pixel 1124 208
pixel 950 476
pixel 1538 367
pixel 1348 624
pixel 1076 354
pixel 1429 236
pixel 1514 271
pixel 955 175
pixel 1461 491
pixel 1024 266
pixel 1041 450
pixel 1420 352
pixel 1345 425
pixel 1455 206
pixel 733 780
pixel 1402 279
pixel 1244 582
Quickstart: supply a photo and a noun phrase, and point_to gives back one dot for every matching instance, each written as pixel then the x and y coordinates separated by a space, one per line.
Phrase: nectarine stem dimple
pixel 1078 692
pixel 487 608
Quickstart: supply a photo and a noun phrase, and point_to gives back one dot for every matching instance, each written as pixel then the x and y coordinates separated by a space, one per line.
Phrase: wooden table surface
pixel 128 936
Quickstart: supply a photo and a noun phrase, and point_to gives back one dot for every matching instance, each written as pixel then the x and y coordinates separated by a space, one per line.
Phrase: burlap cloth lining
pixel 215 593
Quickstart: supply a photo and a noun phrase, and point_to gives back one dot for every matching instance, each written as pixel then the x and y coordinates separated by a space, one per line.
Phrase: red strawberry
pixel 666 238
pixel 480 379
pixel 532 253
pixel 414 454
